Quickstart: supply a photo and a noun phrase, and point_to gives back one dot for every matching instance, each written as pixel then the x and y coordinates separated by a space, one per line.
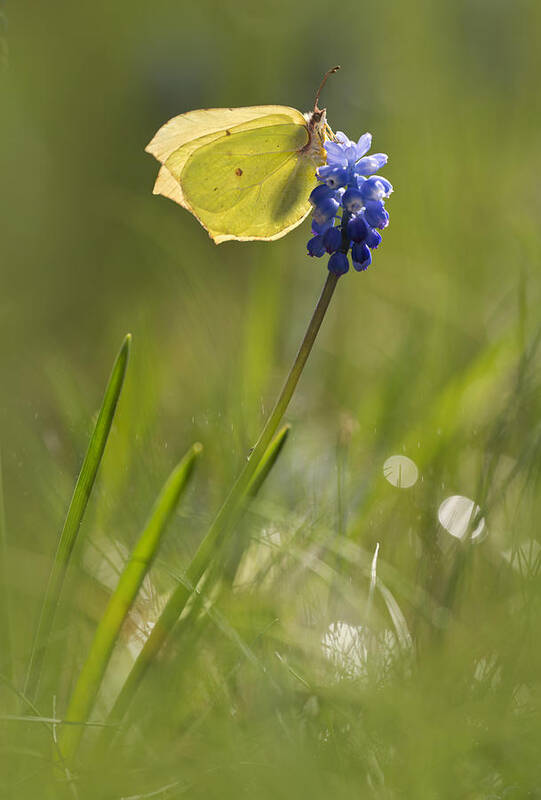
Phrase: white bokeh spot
pixel 458 514
pixel 355 651
pixel 400 471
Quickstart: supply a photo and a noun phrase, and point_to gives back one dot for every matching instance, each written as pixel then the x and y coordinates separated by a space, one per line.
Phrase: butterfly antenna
pixel 322 84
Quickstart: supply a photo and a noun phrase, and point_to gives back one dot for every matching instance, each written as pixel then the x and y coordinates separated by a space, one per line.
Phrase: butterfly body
pixel 245 173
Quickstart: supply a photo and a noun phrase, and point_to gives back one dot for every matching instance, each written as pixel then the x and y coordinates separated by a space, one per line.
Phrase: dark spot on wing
pixel 215 188
pixel 228 133
pixel 238 171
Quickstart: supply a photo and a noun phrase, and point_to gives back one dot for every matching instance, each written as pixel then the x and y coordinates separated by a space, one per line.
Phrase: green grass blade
pixel 6 662
pixel 121 600
pixel 268 461
pixel 76 510
pixel 201 560
pixel 229 569
pixel 224 570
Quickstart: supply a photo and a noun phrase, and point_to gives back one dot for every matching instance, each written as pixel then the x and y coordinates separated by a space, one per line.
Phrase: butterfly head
pixel 317 120
pixel 316 123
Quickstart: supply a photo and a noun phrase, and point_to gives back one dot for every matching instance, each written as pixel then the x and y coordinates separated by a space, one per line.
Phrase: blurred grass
pixel 431 354
pixel 74 517
pixel 122 599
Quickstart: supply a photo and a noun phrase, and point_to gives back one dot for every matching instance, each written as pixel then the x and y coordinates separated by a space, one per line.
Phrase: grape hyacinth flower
pixel 349 204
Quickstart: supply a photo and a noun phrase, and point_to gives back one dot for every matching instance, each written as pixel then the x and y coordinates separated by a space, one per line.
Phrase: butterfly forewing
pixel 222 174
pixel 249 180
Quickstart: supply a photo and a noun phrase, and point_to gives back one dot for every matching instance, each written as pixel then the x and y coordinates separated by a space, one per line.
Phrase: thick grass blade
pixel 77 507
pixel 88 683
pixel 200 562
pixel 6 662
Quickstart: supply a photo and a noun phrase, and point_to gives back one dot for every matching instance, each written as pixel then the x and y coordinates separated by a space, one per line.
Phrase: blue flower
pixel 361 257
pixel 321 193
pixel 349 204
pixel 316 247
pixel 358 228
pixel 319 228
pixel 343 152
pixel 373 238
pixel 376 214
pixel 338 263
pixel 332 239
pixel 353 200
pixel 375 188
pixel 325 210
pixel 370 164
pixel 334 176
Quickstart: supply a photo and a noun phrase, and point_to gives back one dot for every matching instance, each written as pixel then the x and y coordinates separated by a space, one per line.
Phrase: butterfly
pixel 244 173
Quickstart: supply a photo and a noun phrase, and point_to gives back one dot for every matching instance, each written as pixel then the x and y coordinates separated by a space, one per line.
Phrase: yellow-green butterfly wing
pixel 245 173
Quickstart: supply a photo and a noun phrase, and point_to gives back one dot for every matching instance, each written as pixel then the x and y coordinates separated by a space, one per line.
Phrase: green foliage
pixel 215 541
pixel 304 666
pixel 74 517
pixel 121 601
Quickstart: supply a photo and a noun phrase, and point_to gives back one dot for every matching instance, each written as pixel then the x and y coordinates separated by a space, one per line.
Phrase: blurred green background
pixel 431 354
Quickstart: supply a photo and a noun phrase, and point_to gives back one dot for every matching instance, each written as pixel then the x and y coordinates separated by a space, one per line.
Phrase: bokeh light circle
pixel 400 471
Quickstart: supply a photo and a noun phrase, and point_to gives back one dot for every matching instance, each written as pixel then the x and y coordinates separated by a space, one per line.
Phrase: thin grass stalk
pixel 225 572
pixel 226 515
pixel 234 556
pixel 74 517
pixel 108 630
pixel 228 570
pixel 49 726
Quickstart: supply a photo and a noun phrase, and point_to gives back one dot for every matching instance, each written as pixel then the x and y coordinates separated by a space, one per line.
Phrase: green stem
pixel 226 514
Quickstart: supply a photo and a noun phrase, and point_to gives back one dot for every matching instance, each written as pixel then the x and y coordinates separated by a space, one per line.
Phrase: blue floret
pixel 349 204
pixel 332 239
pixel 361 256
pixel 316 247
pixel 338 263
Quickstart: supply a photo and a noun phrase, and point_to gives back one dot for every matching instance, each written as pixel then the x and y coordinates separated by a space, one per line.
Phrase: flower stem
pixel 226 514
pixel 289 386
